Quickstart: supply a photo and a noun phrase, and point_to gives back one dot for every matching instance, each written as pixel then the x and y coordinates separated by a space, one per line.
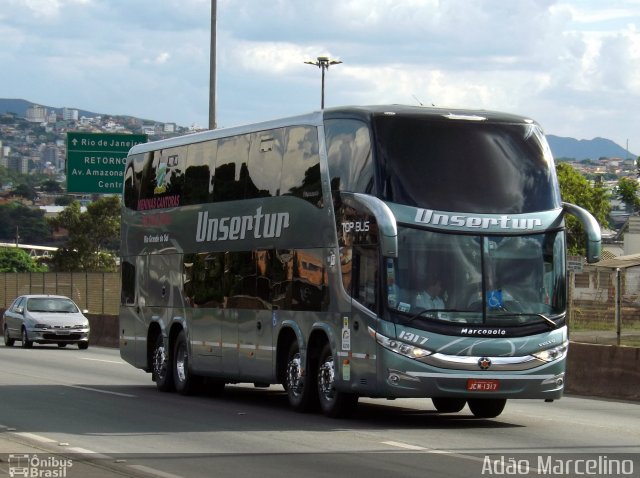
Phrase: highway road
pixel 108 419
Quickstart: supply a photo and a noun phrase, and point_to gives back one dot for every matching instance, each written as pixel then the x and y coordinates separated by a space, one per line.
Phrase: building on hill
pixel 36 114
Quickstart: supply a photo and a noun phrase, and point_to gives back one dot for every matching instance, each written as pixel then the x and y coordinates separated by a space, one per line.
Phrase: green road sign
pixel 96 161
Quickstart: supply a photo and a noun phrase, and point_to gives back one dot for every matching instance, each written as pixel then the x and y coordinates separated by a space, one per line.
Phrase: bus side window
pixel 310 281
pixel 128 290
pixel 301 165
pixel 281 279
pixel 231 168
pixel 265 164
pixel 365 277
pixel 240 281
pixel 201 158
pixel 132 178
pixel 203 279
pixel 163 174
pixel 349 156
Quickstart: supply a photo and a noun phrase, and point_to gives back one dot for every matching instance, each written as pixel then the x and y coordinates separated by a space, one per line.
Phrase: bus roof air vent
pixel 455 116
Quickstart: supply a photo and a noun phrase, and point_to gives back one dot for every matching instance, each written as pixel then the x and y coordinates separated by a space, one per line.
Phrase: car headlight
pixel 41 326
pixel 399 347
pixel 552 354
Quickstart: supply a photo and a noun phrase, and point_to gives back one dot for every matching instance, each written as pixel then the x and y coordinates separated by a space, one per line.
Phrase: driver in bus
pixel 430 297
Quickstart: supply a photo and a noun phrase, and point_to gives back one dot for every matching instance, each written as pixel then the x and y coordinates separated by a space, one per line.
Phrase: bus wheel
pixel 185 382
pixel 300 385
pixel 486 407
pixel 161 368
pixel 332 402
pixel 448 405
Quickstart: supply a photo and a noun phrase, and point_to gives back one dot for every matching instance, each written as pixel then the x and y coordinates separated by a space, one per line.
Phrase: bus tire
pixel 301 382
pixel 486 407
pixel 184 381
pixel 161 369
pixel 448 404
pixel 333 403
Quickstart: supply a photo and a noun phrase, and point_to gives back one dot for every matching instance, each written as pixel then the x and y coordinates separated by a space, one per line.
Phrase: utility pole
pixel 323 62
pixel 212 66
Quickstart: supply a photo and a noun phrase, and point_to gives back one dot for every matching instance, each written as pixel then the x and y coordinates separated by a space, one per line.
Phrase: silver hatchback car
pixel 45 319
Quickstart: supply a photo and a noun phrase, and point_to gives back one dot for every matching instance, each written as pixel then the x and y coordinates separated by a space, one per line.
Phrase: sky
pixel 572 65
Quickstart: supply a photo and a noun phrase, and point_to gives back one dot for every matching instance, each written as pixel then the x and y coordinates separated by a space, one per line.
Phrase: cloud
pixel 572 64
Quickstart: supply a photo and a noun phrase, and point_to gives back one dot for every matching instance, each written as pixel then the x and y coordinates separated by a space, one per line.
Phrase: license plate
pixel 476 385
pixel 63 332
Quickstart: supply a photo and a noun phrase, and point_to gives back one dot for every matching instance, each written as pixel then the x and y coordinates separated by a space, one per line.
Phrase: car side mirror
pixel 85 311
pixel 19 310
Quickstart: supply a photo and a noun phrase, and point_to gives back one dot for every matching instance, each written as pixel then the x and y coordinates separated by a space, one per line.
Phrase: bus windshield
pixel 452 165
pixel 482 280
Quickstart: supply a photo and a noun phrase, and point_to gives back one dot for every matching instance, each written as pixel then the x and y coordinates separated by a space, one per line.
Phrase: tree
pixel 25 191
pixel 27 223
pixel 628 192
pixel 93 239
pixel 63 200
pixel 575 189
pixel 51 186
pixel 13 259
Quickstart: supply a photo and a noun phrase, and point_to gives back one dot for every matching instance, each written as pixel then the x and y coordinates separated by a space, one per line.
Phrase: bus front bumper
pixel 409 378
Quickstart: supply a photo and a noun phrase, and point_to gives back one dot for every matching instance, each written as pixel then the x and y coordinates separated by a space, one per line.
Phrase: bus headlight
pixel 399 347
pixel 552 354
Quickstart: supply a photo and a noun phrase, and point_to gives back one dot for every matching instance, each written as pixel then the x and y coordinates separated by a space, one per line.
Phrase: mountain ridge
pixel 561 147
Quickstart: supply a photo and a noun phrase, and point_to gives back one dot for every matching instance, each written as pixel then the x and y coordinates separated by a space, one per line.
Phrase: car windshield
pixel 51 304
pixel 465 279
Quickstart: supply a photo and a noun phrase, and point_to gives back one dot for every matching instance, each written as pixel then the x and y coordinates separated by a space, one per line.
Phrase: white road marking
pixel 34 437
pixel 153 471
pixel 119 362
pixel 108 392
pixel 403 445
pixel 433 451
pixel 84 451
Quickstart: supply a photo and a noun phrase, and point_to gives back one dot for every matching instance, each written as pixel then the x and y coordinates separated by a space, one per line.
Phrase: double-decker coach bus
pixel 298 252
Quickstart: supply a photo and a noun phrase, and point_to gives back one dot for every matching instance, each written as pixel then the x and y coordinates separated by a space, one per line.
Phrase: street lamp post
pixel 323 62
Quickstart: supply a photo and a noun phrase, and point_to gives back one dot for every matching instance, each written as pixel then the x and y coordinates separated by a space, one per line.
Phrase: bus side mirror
pixel 592 228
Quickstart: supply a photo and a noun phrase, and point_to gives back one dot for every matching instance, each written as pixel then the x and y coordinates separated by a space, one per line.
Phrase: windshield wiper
pixel 550 322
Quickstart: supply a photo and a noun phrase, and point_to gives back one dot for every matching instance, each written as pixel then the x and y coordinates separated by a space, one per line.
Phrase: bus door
pixel 247 317
pixel 366 232
pixel 203 297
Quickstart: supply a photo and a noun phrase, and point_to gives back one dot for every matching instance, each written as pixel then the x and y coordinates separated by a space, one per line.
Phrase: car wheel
pixel 83 345
pixel 301 385
pixel 448 405
pixel 8 341
pixel 26 343
pixel 184 381
pixel 333 403
pixel 161 371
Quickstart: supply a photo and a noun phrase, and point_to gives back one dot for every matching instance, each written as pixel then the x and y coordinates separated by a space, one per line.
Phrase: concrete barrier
pixel 104 330
pixel 608 371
